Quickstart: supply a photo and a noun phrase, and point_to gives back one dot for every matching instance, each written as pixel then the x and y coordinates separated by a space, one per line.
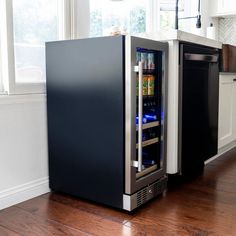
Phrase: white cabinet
pixel 227 109
pixel 226 7
pixel 222 8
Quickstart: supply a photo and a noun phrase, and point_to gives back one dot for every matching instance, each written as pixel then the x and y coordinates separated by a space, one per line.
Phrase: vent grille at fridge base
pixel 157 188
pixel 142 197
pixel 130 202
pixel 150 191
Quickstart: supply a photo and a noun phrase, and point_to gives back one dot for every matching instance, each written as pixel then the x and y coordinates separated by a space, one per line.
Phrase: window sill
pixel 21 99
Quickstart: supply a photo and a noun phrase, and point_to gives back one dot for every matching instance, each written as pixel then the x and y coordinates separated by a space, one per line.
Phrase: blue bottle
pixel 150 118
pixel 144 120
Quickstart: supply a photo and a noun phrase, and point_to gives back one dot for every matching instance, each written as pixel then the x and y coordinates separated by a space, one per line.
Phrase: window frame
pixel 10 85
pixel 153 16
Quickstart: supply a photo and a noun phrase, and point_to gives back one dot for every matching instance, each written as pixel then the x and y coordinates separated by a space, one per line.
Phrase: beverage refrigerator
pixel 106 111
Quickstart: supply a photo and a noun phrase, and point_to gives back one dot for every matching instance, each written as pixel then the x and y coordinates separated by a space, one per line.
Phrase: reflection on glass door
pixel 148 110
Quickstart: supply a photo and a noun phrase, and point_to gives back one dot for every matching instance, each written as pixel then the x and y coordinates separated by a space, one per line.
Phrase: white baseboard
pixel 21 193
pixel 221 151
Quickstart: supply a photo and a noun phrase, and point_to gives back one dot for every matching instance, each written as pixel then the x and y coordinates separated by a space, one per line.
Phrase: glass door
pixel 148 110
pixel 145 112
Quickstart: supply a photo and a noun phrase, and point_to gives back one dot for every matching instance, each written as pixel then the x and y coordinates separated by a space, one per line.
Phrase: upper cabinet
pixel 221 8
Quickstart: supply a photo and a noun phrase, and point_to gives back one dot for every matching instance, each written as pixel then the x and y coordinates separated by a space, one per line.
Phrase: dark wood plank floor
pixel 203 206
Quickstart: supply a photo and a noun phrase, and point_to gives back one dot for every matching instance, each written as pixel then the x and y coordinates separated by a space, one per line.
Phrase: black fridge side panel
pixel 85 105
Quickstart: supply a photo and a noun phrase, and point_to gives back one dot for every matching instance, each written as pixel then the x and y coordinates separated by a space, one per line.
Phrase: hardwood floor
pixel 203 206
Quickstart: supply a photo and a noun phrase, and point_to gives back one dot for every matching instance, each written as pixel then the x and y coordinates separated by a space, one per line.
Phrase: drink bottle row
pixel 147 58
pixel 150 110
pixel 148 85
pixel 148 134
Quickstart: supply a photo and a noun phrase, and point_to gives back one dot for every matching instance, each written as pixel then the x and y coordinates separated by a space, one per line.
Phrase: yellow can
pixel 151 85
pixel 145 85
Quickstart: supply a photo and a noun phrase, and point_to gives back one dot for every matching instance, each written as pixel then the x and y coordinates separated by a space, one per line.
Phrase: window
pixel 34 23
pixel 167 13
pixel 27 25
pixel 186 9
pixel 128 15
pixel 138 16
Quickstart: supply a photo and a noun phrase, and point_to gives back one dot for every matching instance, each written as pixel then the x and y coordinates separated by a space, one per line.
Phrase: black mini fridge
pixel 106 106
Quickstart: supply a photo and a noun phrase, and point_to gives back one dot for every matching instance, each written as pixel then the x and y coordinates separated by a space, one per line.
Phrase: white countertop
pixel 169 35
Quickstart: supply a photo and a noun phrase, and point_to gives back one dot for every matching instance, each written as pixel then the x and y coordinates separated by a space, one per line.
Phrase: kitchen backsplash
pixel 227 30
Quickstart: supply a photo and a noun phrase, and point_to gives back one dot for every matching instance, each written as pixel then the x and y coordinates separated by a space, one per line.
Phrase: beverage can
pixel 151 81
pixel 151 61
pixel 144 60
pixel 145 85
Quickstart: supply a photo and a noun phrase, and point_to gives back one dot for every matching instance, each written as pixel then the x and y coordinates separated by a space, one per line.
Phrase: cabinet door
pixel 227 110
pixel 226 6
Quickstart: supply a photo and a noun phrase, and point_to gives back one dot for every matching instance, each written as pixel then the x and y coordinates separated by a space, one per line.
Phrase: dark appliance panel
pixel 85 105
pixel 199 91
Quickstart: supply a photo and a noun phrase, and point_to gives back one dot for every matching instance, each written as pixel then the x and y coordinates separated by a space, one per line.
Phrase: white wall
pixel 23 148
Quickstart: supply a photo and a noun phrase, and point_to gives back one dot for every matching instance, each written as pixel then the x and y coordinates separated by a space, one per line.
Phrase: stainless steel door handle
pixel 140 116
pixel 200 57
